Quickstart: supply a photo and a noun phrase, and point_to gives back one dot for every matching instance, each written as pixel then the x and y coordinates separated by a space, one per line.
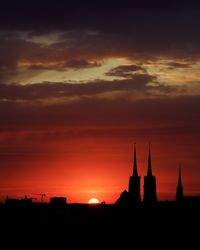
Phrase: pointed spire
pixel 179 177
pixel 149 171
pixel 135 172
pixel 179 189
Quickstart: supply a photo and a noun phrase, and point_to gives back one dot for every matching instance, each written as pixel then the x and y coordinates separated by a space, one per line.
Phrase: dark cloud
pixel 46 90
pixel 145 30
pixel 176 65
pixel 125 70
pixel 150 28
pixel 13 50
pixel 78 64
pixel 72 64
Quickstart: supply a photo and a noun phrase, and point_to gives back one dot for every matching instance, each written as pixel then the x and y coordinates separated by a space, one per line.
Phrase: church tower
pixel 150 196
pixel 179 189
pixel 134 183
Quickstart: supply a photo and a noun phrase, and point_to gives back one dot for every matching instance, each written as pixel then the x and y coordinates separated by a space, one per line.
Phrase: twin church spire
pixel 149 169
pixel 150 195
pixel 133 196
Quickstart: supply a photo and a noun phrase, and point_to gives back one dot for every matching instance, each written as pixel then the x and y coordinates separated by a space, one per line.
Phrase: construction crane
pixel 42 196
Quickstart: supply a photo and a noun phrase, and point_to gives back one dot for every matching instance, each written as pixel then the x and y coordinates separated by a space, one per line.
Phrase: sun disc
pixel 93 201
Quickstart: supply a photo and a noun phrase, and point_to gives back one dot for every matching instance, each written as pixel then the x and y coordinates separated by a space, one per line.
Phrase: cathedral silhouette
pixel 133 196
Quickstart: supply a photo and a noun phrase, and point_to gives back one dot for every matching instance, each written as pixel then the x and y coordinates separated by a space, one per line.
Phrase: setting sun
pixel 93 201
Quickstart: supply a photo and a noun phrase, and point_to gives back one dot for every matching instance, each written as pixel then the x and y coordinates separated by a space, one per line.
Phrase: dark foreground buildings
pixel 105 226
pixel 58 201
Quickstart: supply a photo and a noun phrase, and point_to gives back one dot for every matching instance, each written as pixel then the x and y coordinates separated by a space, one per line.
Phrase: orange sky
pixel 81 166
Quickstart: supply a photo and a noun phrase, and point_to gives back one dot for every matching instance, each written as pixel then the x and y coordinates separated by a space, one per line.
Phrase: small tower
pixel 150 196
pixel 179 189
pixel 134 183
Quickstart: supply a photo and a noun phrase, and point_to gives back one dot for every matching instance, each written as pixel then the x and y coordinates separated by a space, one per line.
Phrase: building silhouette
pixel 150 195
pixel 18 202
pixel 134 183
pixel 58 201
pixel 179 189
pixel 26 201
pixel 124 200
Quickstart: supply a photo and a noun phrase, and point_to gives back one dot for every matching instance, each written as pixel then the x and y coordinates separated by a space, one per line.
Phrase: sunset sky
pixel 81 81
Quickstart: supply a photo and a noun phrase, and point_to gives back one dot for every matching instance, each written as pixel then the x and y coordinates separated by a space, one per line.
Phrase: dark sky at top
pixel 164 24
pixel 60 13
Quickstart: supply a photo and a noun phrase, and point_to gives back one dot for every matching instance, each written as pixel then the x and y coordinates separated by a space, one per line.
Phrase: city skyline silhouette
pixel 136 222
pixel 134 189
